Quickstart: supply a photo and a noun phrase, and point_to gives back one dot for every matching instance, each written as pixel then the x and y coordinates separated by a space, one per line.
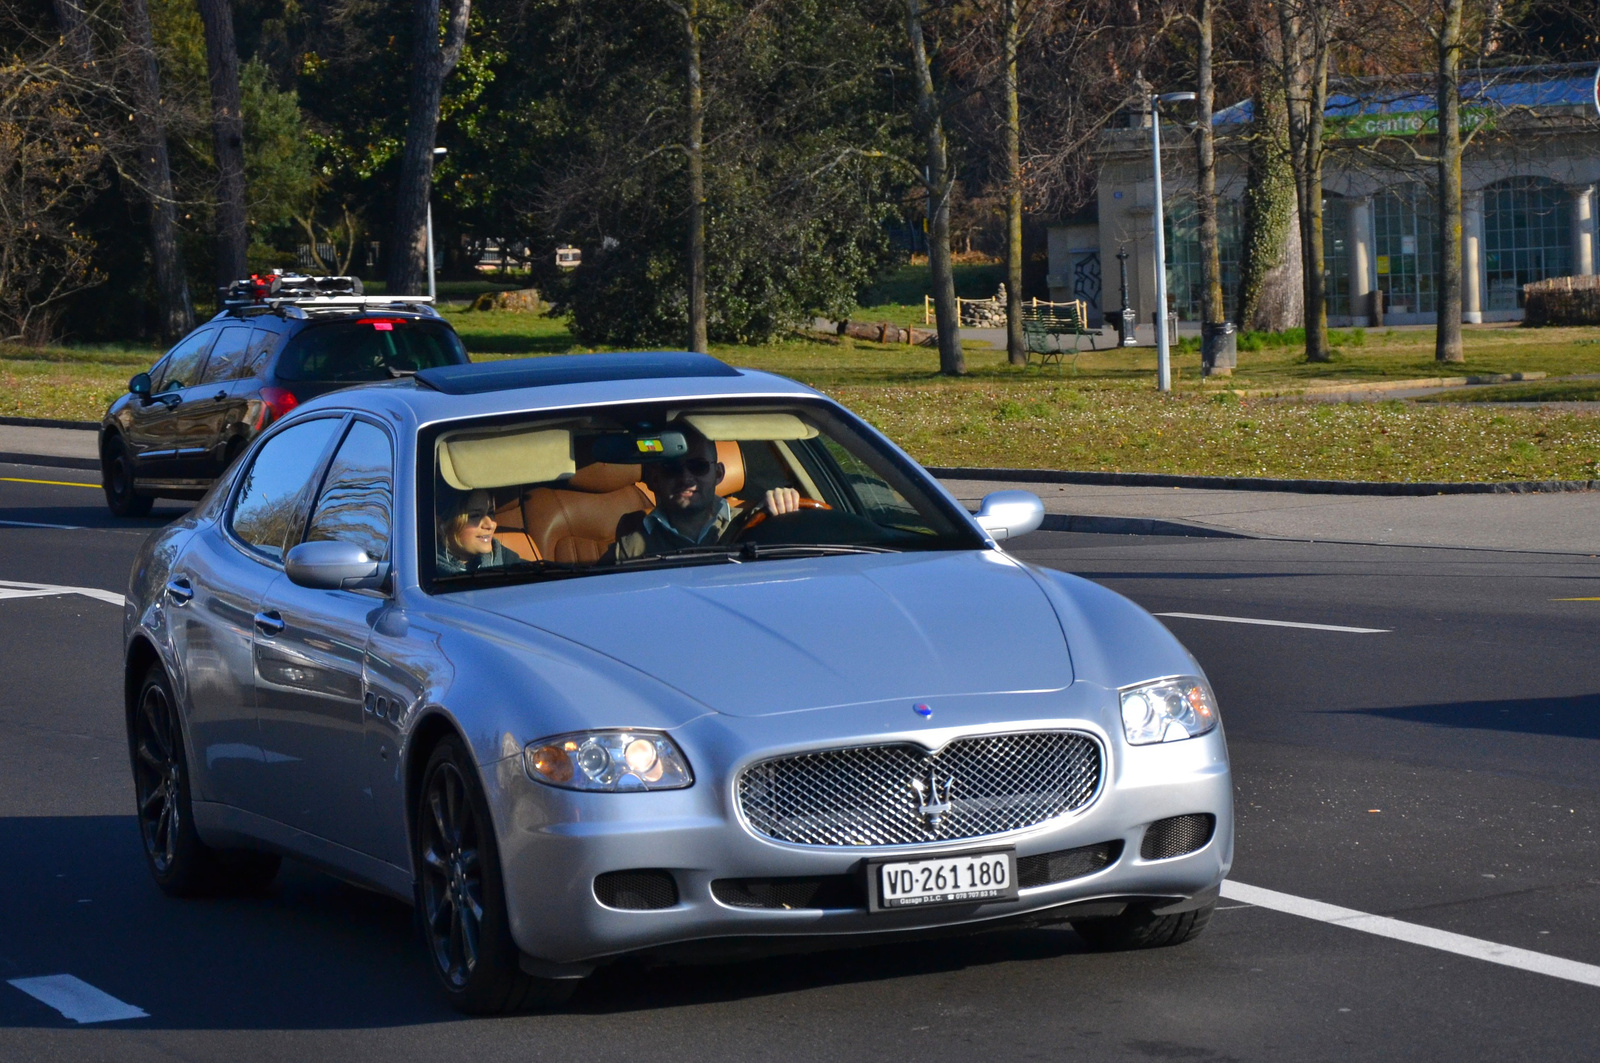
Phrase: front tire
pixel 460 895
pixel 116 478
pixel 181 864
pixel 1140 928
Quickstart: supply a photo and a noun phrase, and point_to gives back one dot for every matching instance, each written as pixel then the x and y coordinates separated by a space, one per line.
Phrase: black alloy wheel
pixel 182 864
pixel 116 477
pixel 461 906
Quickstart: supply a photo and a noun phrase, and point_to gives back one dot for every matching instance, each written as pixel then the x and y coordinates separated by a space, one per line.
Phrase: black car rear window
pixel 368 349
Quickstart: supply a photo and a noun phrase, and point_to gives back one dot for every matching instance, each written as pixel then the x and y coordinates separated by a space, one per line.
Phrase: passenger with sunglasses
pixel 688 510
pixel 466 537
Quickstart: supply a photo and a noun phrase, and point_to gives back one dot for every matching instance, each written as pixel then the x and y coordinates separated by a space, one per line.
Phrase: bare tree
pixel 1212 309
pixel 1448 39
pixel 694 153
pixel 176 311
pixel 1016 343
pixel 937 180
pixel 227 131
pixel 1306 37
pixel 432 60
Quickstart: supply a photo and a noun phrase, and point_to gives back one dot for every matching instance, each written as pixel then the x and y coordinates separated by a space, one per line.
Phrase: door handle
pixel 180 590
pixel 269 622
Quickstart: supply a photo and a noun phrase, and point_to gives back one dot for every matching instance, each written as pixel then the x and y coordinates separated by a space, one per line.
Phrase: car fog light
pixel 1168 710
pixel 611 761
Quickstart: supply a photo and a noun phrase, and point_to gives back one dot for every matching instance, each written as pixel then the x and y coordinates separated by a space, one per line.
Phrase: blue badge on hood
pixel 922 709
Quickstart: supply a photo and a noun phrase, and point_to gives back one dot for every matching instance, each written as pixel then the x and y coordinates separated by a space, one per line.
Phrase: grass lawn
pixel 1101 414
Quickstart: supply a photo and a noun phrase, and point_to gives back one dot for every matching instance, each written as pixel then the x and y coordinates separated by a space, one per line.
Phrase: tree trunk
pixel 697 181
pixel 227 132
pixel 75 30
pixel 1269 297
pixel 1212 308
pixel 1016 343
pixel 1447 337
pixel 930 127
pixel 1305 29
pixel 431 63
pixel 176 312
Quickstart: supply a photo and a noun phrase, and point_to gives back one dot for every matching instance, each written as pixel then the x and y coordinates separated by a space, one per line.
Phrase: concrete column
pixel 1360 229
pixel 1472 257
pixel 1582 229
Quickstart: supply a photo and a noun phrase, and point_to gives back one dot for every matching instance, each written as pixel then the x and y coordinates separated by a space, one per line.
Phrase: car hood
pixel 784 636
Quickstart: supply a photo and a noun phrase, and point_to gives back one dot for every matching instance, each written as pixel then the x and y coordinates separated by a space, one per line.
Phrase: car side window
pixel 183 362
pixel 268 510
pixel 357 497
pixel 262 343
pixel 227 355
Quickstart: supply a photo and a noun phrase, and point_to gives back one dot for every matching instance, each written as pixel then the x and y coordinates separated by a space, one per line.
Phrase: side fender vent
pixel 1178 836
pixel 636 891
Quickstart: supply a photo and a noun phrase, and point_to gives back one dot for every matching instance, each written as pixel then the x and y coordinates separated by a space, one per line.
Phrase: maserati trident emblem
pixel 930 802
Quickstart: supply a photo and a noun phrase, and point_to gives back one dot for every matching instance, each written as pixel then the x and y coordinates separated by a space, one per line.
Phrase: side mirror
pixel 1008 514
pixel 332 566
pixel 140 385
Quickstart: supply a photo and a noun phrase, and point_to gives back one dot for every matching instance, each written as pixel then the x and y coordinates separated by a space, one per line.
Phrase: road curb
pixel 1262 483
pixel 48 461
pixel 47 422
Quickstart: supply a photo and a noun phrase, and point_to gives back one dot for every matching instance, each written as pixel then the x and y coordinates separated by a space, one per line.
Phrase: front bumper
pixel 554 843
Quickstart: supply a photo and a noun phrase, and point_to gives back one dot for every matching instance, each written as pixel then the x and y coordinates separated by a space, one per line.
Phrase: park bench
pixel 1049 328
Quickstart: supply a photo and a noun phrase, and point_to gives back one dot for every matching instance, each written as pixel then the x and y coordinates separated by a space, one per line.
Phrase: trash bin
pixel 1127 327
pixel 1219 348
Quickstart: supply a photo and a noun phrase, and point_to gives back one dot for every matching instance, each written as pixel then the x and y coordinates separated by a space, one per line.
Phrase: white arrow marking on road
pixel 77 999
pixel 9 589
pixel 1444 940
pixel 1281 623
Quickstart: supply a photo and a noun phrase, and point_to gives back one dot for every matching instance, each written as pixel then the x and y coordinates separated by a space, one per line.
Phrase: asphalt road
pixel 1441 771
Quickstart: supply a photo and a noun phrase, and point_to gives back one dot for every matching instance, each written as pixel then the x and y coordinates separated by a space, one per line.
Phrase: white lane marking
pixel 1427 936
pixel 1281 623
pixel 9 589
pixel 77 999
pixel 32 524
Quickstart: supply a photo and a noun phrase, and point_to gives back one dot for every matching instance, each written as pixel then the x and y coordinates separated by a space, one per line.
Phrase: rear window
pixel 369 349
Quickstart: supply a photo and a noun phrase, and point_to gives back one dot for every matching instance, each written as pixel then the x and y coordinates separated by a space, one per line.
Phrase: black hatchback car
pixel 278 342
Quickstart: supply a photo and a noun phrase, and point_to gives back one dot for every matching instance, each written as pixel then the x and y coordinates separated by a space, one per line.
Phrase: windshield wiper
pixel 765 551
pixel 502 575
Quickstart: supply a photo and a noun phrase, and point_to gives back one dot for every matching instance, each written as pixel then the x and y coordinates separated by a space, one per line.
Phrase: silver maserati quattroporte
pixel 616 654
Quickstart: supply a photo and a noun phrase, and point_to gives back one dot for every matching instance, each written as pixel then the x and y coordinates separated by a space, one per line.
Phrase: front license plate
pixel 957 879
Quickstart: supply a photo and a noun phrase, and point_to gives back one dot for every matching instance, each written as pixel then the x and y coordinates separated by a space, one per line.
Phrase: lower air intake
pixel 1045 868
pixel 823 891
pixel 1178 836
pixel 636 891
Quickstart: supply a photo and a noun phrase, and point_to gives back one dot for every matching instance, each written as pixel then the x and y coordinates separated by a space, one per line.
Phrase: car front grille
pixel 891 794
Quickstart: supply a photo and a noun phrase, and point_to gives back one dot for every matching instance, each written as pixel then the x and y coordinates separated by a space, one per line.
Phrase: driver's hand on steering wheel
pixel 781 500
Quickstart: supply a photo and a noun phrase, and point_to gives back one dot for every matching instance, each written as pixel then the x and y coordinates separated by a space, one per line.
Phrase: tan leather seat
pixel 578 521
pixel 512 532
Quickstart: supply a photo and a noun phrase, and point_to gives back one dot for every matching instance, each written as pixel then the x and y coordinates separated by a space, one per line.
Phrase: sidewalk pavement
pixel 62 447
pixel 1565 522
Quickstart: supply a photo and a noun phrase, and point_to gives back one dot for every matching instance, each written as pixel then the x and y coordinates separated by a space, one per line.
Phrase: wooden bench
pixel 1047 329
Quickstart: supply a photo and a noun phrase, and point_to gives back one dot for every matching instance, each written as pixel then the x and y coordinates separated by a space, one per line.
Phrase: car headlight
pixel 608 761
pixel 1168 710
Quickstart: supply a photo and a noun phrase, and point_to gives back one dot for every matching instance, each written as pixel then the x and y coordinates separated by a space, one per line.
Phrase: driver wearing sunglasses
pixel 466 536
pixel 688 510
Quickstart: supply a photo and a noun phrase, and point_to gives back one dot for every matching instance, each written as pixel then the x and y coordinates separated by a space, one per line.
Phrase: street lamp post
pixel 433 294
pixel 1163 349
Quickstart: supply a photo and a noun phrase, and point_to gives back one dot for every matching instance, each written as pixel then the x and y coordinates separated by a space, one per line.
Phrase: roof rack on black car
pixel 285 292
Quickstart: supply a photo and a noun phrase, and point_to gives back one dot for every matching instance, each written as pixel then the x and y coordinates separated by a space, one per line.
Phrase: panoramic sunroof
pixel 481 377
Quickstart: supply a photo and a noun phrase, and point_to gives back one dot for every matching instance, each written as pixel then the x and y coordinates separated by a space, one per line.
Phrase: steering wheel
pixel 756 514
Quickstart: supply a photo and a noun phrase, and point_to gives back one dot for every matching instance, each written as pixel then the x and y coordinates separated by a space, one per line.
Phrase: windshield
pixel 637 488
pixel 376 348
